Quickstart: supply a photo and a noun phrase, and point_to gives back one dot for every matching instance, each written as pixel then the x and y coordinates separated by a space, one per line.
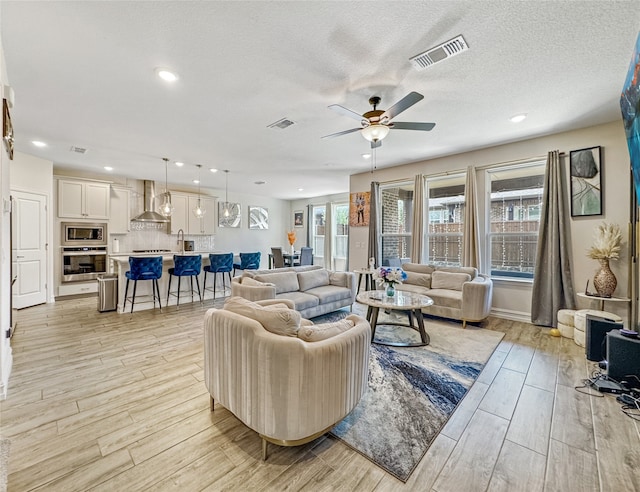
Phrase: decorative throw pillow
pixel 339 279
pixel 253 281
pixel 315 333
pixel 449 281
pixel 278 320
pixel 418 268
pixel 283 281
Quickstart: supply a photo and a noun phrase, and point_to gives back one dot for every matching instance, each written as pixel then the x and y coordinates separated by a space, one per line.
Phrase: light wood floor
pixel 110 402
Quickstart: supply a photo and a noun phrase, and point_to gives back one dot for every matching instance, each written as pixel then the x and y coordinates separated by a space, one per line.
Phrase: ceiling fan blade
pixel 346 112
pixel 405 103
pixel 342 133
pixel 425 127
pixel 376 143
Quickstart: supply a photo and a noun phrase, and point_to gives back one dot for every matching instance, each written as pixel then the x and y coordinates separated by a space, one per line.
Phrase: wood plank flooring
pixel 112 402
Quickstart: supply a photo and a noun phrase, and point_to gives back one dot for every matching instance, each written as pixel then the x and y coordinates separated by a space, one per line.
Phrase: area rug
pixel 413 391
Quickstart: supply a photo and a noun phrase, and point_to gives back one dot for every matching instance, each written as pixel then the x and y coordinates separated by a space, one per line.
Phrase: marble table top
pixel 400 300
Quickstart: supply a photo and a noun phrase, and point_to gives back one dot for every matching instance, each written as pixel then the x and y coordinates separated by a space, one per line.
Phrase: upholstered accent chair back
pixel 306 255
pixel 186 265
pixel 220 262
pixel 144 268
pixel 278 259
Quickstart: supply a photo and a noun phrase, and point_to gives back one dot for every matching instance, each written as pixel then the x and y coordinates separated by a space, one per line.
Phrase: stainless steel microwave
pixel 84 234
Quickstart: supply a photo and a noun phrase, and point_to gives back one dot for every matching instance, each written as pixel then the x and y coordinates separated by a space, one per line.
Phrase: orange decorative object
pixel 291 236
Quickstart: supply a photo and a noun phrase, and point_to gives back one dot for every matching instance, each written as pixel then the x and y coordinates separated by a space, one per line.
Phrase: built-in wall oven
pixel 84 250
pixel 83 263
pixel 84 234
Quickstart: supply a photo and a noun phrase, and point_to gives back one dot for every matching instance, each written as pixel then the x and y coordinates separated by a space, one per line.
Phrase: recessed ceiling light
pixel 179 164
pixel 108 168
pixel 166 74
pixel 213 170
pixel 366 156
pixel 196 181
pixel 37 143
pixel 300 189
pixel 518 118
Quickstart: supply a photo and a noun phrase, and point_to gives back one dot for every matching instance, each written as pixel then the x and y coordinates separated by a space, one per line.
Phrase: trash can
pixel 107 292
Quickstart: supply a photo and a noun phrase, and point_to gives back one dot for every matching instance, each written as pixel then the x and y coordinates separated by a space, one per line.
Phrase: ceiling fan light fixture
pixel 375 132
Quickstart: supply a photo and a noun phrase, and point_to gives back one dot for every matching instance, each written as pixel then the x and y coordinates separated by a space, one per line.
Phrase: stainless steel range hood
pixel 149 214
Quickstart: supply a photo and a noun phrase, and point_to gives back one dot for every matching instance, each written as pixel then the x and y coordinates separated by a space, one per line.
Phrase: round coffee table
pixel 400 301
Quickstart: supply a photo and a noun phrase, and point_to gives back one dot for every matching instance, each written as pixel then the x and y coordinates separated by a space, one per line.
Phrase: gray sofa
pixel 457 292
pixel 313 289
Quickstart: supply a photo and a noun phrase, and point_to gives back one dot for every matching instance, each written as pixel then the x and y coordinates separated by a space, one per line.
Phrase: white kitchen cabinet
pixel 83 199
pixel 183 218
pixel 120 216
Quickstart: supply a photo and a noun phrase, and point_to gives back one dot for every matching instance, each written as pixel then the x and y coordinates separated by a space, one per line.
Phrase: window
pixel 317 233
pixel 396 203
pixel 445 220
pixel 515 208
pixel 340 236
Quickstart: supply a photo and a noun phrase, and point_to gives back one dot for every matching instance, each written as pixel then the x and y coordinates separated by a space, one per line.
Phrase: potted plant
pixel 389 277
pixel 606 247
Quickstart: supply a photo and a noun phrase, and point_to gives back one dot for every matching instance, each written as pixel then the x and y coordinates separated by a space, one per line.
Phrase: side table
pixel 368 278
pixel 603 299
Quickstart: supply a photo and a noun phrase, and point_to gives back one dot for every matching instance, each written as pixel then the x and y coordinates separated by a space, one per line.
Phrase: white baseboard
pixel 512 315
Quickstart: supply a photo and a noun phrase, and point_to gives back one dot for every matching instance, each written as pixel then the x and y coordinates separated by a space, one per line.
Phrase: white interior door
pixel 29 249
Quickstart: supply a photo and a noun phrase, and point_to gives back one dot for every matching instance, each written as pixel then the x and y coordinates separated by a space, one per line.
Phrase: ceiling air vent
pixel 78 150
pixel 442 52
pixel 282 124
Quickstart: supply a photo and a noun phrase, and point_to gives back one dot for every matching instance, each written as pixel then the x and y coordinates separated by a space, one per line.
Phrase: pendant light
pixel 226 193
pixel 166 209
pixel 199 211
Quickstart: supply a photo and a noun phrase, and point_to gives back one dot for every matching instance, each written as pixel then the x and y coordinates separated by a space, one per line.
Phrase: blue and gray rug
pixel 413 391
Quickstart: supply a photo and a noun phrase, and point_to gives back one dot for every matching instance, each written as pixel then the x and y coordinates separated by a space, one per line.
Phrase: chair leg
pixel 178 301
pixel 215 278
pixel 199 292
pixel 126 289
pixel 133 299
pixel 264 450
pixel 169 289
pixel 157 289
pixel 204 285
pixel 191 284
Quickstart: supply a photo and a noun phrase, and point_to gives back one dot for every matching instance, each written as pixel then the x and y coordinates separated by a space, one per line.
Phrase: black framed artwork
pixel 7 129
pixel 586 181
pixel 298 218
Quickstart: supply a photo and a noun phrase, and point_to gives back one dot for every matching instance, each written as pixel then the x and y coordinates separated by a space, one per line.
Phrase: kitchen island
pixel 119 264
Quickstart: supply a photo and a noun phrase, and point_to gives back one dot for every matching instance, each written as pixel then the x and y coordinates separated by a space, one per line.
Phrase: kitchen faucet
pixel 181 242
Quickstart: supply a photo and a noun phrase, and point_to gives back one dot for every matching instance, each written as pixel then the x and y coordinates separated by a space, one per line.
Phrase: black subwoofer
pixel 623 358
pixel 595 332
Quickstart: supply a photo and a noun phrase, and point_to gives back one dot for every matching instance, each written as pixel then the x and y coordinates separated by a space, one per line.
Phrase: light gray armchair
pixel 288 390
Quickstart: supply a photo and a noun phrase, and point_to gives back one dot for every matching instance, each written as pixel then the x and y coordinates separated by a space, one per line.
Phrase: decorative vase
pixel 605 281
pixel 391 290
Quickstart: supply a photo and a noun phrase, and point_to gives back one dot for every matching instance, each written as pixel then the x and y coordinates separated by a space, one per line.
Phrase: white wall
pixel 5 252
pixel 32 174
pixel 513 299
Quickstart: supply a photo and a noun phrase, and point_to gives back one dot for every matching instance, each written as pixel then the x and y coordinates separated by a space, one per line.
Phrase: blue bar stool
pixel 218 263
pixel 185 266
pixel 248 261
pixel 143 268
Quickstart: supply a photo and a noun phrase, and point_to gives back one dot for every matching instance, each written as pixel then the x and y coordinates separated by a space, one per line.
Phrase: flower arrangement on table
pixel 291 236
pixel 389 277
pixel 606 246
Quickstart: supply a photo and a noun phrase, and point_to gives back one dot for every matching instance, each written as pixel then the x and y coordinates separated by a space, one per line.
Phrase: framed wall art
pixel 586 181
pixel 258 218
pixel 7 129
pixel 232 219
pixel 359 208
pixel 298 218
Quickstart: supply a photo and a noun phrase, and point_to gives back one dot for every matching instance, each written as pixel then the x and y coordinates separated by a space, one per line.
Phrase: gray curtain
pixel 328 236
pixel 552 281
pixel 418 219
pixel 375 241
pixel 471 235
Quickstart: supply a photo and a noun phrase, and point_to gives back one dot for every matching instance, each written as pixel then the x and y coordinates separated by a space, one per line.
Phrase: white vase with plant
pixel 606 246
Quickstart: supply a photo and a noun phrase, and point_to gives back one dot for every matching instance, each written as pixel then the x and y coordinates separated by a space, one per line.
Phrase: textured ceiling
pixel 83 75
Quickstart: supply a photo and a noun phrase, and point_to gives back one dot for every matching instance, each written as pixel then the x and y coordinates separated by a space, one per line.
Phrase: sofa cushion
pixel 419 279
pixel 302 300
pixel 313 278
pixel 254 282
pixel 418 268
pixel 278 320
pixel 448 280
pixel 284 281
pixel 330 293
pixel 469 270
pixel 405 287
pixel 446 298
pixel 341 279
pixel 316 333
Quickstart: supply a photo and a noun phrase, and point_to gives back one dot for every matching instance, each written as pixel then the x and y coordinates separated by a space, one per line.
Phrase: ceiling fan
pixel 375 124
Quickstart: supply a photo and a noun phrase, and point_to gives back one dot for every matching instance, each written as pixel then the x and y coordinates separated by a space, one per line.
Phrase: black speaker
pixel 595 331
pixel 623 358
